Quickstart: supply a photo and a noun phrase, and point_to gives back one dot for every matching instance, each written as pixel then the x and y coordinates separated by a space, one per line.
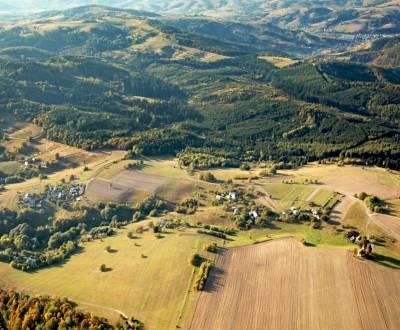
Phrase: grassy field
pixel 148 281
pixel 279 62
pixel 324 237
pixel 289 195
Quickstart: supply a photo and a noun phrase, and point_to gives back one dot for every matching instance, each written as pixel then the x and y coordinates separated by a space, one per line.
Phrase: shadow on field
pixel 216 274
pixel 386 260
pixel 271 225
pixel 213 281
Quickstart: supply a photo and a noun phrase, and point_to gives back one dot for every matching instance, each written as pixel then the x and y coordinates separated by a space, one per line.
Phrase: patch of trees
pixel 208 177
pixel 187 206
pixel 202 160
pixel 30 239
pixel 21 311
pixel 151 206
pixel 202 275
pixel 374 203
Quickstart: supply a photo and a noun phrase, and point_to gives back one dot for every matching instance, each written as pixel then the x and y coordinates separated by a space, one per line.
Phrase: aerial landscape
pixel 200 164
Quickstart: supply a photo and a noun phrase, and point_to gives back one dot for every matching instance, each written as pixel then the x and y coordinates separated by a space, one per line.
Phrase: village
pixel 55 194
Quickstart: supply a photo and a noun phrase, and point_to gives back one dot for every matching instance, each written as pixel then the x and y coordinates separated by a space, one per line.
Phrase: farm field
pixel 148 281
pixel 288 286
pixel 298 195
pixel 156 176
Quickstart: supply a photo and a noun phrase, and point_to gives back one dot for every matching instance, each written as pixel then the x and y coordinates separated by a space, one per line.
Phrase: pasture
pixel 146 277
pixel 299 195
pixel 285 285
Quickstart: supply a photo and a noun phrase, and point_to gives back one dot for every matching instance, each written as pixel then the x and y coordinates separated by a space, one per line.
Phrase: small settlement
pixel 54 194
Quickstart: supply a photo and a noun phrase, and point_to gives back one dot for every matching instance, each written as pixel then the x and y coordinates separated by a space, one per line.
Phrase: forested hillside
pixel 126 79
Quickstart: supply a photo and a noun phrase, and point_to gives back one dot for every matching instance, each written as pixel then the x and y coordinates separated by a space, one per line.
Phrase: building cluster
pixel 294 211
pixel 61 193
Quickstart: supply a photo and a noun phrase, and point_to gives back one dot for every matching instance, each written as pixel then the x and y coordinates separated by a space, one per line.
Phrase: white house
pixel 253 214
pixel 232 195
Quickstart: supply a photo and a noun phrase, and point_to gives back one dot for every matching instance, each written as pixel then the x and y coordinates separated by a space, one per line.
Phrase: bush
pixel 212 247
pixel 208 177
pixel 195 260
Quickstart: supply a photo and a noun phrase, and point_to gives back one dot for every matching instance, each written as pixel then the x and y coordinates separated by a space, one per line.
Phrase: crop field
pixel 147 277
pixel 285 285
pixel 157 176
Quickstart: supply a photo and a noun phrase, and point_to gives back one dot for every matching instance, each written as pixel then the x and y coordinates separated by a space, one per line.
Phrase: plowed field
pixel 284 285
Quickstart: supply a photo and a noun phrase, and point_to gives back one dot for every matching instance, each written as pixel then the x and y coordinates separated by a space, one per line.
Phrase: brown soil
pixel 283 285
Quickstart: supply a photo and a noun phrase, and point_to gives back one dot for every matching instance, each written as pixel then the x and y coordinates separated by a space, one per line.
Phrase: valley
pixel 199 165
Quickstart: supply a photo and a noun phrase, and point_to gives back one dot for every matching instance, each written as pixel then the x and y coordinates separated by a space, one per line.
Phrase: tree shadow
pixel 107 269
pixel 385 260
pixel 271 225
pixel 213 283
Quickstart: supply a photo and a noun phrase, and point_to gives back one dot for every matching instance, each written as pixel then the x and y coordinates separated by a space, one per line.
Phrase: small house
pixel 232 195
pixel 253 214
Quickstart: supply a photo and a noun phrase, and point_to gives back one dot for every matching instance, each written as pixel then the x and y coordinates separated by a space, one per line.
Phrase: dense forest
pixel 151 87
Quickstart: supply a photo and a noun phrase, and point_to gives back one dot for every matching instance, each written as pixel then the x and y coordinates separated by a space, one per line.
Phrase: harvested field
pixel 125 184
pixel 105 190
pixel 139 180
pixel 389 223
pixel 283 285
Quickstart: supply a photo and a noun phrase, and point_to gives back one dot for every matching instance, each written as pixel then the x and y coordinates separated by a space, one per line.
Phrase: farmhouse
pixel 253 214
pixel 316 213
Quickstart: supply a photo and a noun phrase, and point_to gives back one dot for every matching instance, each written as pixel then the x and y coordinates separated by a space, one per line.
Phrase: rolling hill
pixel 348 16
pixel 163 85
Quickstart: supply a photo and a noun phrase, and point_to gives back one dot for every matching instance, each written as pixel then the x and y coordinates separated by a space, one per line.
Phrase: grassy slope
pixel 152 288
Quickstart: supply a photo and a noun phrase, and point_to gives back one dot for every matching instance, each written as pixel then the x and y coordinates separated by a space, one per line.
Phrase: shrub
pixel 195 260
pixel 208 177
pixel 212 247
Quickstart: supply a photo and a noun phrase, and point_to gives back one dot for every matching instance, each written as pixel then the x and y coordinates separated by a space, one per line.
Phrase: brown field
pixel 124 185
pixel 283 285
pixel 389 223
